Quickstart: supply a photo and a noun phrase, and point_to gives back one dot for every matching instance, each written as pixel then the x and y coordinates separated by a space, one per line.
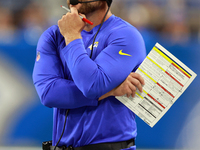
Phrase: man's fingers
pixel 138 76
pixel 135 83
pixel 138 85
pixel 82 15
pixel 73 10
pixel 133 95
pixel 129 93
pixel 137 80
pixel 133 88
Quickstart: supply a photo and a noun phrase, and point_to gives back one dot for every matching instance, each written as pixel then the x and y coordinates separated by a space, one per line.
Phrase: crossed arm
pixel 133 81
pixel 89 83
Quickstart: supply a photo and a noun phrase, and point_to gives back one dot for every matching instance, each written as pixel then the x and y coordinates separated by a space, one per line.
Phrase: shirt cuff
pixel 73 46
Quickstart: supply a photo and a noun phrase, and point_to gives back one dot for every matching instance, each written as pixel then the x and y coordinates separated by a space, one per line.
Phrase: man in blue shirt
pixel 69 79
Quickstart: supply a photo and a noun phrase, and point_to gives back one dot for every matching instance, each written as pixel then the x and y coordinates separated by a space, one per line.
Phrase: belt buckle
pixel 69 148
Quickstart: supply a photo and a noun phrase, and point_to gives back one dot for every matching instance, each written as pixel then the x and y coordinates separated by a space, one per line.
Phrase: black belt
pixel 100 146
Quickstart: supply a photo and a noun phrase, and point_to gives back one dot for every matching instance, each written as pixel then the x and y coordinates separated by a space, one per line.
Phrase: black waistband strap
pixel 101 146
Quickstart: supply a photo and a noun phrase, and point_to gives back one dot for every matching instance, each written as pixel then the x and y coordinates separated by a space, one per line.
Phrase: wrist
pixel 111 93
pixel 71 38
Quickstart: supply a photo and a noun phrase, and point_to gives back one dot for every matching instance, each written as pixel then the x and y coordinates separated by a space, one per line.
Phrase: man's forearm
pixel 106 95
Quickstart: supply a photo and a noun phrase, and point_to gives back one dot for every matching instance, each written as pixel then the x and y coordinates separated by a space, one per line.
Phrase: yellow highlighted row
pixel 155 63
pixel 169 60
pixel 140 95
pixel 147 75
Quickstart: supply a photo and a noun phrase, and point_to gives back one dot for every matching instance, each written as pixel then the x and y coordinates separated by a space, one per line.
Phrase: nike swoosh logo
pixel 125 54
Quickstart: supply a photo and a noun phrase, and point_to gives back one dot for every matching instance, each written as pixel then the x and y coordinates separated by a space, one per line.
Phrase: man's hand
pixel 133 82
pixel 71 25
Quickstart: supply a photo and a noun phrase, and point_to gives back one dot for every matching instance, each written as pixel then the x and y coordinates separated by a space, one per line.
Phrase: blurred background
pixel 24 122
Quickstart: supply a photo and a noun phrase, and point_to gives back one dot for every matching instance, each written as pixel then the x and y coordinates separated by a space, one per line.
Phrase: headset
pixel 75 2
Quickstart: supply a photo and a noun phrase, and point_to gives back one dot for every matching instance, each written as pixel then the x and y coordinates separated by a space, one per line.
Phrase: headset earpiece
pixel 74 2
pixel 109 2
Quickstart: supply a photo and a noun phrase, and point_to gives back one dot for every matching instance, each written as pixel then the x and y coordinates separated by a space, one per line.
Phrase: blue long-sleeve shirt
pixel 65 77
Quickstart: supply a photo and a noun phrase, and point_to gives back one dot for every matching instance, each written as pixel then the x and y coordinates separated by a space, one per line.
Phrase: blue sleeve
pixel 52 85
pixel 110 68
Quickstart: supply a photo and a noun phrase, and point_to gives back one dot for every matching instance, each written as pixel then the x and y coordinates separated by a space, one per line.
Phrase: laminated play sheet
pixel 166 78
